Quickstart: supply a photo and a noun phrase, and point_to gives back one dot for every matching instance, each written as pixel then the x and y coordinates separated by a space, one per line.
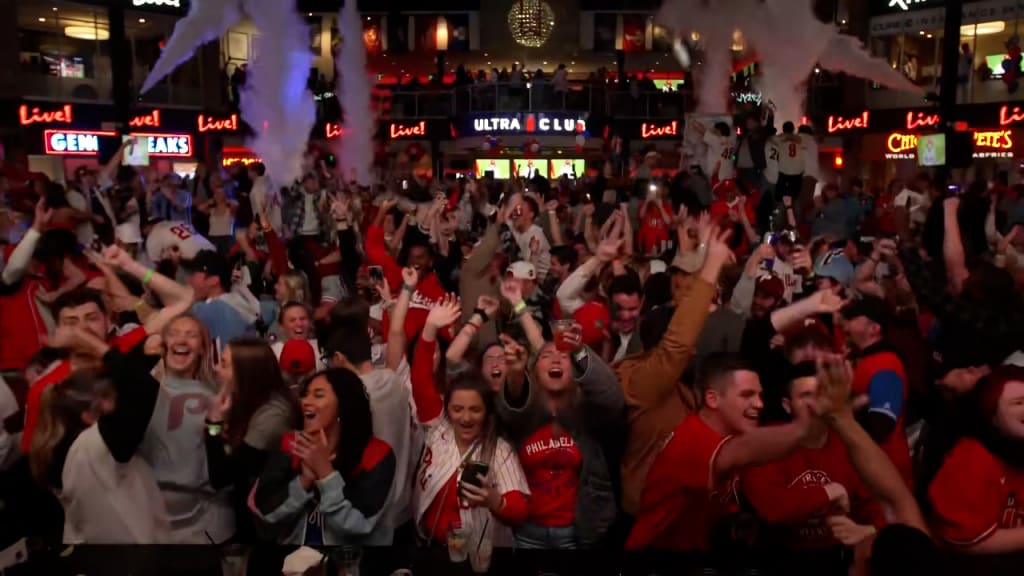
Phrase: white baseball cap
pixel 522 270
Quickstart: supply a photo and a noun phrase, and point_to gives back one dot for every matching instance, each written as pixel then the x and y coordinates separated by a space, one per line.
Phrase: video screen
pixel 530 167
pixel 571 167
pixel 931 150
pixel 501 168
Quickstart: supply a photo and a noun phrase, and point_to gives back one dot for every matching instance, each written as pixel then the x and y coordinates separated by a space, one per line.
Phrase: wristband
pixel 148 276
pixel 480 312
pixel 473 326
pixel 580 355
pixel 520 308
pixel 410 289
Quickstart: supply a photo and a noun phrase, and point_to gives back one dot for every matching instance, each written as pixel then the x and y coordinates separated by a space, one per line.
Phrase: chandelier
pixel 531 22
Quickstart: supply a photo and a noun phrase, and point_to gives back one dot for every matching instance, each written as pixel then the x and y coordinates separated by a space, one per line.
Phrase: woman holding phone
pixel 329 483
pixel 469 482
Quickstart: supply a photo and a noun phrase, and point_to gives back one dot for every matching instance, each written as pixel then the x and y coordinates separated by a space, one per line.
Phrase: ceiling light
pixel 142 20
pixel 54 8
pixel 983 29
pixel 42 19
pixel 87 33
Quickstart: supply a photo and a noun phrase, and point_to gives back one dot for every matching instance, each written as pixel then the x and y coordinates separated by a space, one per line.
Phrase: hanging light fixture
pixel 531 22
pixel 441 33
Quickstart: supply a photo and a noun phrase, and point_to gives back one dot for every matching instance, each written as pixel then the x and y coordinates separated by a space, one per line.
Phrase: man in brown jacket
pixel 656 398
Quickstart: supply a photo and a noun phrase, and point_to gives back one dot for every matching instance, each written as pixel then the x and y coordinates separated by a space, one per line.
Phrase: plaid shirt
pixel 293 212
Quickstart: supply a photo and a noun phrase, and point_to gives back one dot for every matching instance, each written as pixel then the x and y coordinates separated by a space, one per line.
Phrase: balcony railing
pixel 98 90
pixel 535 97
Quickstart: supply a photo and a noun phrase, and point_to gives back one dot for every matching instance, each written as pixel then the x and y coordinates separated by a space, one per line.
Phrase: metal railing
pixel 535 97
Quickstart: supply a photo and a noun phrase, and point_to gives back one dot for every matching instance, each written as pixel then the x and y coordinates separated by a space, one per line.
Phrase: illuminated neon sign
pixel 151 120
pixel 840 124
pixel 991 144
pixel 404 131
pixel 921 120
pixel 1006 116
pixel 36 116
pixel 651 130
pixel 528 123
pixel 73 142
pixel 213 124
pixel 168 145
pixel 245 161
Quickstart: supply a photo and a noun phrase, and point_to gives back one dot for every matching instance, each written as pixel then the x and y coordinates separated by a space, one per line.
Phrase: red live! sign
pixel 35 116
pixel 404 131
pixel 651 130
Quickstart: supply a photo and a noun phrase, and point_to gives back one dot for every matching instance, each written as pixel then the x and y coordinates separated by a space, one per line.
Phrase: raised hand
pixel 835 378
pixel 608 249
pixel 410 277
pixel 719 252
pixel 445 312
pixel 488 304
pixel 512 291
pixel 114 256
pixel 826 301
pixel 515 354
pixel 43 215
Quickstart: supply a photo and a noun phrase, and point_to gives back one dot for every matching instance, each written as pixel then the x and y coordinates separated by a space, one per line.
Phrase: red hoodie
pixel 790 494
pixel 428 292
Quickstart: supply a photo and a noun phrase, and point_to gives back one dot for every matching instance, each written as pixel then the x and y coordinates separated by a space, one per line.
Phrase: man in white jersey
pixel 721 149
pixel 174 241
pixel 792 156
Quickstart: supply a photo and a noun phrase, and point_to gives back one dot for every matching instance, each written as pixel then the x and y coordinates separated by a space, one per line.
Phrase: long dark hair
pixel 354 414
pixel 472 380
pixel 257 379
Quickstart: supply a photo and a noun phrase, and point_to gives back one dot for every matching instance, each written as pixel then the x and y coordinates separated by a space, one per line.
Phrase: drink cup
pixel 559 328
pixel 480 557
pixel 456 544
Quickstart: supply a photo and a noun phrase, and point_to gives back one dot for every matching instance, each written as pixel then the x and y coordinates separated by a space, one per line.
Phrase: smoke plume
pixel 358 126
pixel 789 41
pixel 206 21
pixel 276 102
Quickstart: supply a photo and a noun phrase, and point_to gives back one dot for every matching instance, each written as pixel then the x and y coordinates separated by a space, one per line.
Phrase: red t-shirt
pixel 790 495
pixel 974 494
pixel 682 501
pixel 721 211
pixel 56 375
pixel 552 466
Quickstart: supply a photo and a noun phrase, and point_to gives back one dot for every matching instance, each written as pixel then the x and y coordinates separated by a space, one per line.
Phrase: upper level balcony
pixel 599 100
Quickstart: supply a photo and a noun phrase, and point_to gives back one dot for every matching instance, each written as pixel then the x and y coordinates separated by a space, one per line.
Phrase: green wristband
pixel 147 277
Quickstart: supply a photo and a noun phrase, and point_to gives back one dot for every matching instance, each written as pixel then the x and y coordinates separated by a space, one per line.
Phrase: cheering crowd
pixel 732 359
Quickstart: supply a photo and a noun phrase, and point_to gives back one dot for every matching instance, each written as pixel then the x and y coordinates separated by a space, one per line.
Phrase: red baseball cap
pixel 593 318
pixel 298 357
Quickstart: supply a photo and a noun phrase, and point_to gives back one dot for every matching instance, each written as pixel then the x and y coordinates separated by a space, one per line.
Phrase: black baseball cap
pixel 211 263
pixel 871 307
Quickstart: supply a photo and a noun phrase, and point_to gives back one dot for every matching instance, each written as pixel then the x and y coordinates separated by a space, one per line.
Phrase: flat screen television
pixel 931 150
pixel 500 168
pixel 567 167
pixel 530 167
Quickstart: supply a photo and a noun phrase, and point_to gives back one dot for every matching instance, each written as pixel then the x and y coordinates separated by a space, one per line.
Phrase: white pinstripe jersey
pixel 441 459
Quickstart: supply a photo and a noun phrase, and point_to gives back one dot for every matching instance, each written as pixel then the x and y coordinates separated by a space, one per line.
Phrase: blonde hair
pixel 298 287
pixel 60 412
pixel 204 367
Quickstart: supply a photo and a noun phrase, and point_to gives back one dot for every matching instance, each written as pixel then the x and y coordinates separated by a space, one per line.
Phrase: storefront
pixel 909 35
pixel 58 138
pixel 886 141
pixel 505 143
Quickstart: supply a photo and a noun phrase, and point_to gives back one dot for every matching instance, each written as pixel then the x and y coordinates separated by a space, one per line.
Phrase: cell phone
pixel 652 192
pixel 586 198
pixel 405 184
pixel 470 472
pixel 376 274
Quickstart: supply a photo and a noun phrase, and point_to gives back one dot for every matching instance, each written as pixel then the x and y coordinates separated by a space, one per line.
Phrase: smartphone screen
pixel 376 274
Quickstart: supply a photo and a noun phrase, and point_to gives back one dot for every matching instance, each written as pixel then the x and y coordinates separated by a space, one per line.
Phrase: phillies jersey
pixel 166 234
pixel 790 494
pixel 552 463
pixel 683 502
pixel 974 494
pixel 792 155
pixel 719 160
pixel 771 156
